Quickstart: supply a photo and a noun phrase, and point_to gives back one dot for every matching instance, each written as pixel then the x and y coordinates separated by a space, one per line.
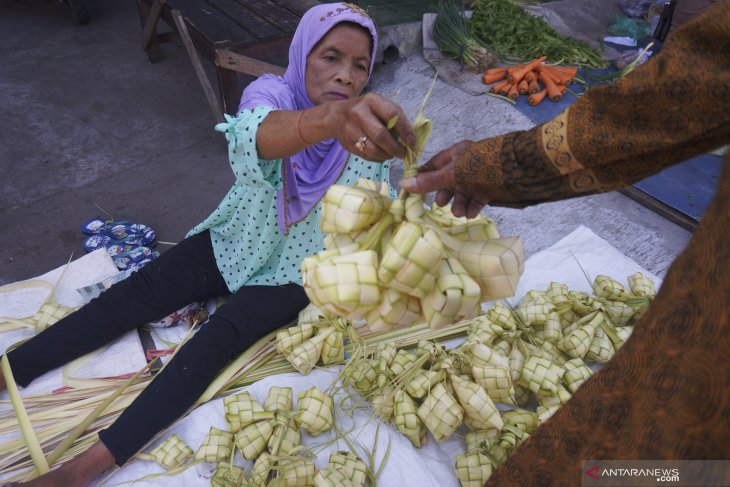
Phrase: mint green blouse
pixel 249 247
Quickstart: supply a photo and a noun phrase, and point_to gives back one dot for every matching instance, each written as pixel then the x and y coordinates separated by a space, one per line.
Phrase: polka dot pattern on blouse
pixel 249 247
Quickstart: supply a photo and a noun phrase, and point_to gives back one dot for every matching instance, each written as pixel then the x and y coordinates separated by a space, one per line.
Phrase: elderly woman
pixel 292 138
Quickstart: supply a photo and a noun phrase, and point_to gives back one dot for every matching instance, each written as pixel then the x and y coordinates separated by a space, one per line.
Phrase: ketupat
pixel 348 463
pixel 399 263
pixel 171 453
pixel 473 469
pixel 240 410
pixel 216 446
pixel 227 475
pixel 315 411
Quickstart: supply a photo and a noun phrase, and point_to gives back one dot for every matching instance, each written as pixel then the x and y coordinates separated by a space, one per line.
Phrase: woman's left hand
pixel 361 128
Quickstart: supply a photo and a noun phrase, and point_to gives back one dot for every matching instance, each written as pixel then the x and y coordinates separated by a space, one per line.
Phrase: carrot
pixel 533 86
pixel 552 90
pixel 536 98
pixel 496 70
pixel 560 69
pixel 516 75
pixel 505 89
pixel 513 91
pixel 522 87
pixel 563 76
pixel 516 66
pixel 491 78
pixel 498 86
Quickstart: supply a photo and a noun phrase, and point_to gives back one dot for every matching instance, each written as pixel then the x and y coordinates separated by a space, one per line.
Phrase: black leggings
pixel 182 275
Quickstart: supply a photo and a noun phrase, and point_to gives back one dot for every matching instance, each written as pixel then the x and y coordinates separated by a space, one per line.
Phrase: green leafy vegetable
pixel 512 32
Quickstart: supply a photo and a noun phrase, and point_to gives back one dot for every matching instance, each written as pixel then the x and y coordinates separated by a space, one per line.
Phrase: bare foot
pixel 78 472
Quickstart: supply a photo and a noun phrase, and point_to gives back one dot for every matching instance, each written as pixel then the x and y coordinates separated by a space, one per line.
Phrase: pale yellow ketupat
pixel 396 262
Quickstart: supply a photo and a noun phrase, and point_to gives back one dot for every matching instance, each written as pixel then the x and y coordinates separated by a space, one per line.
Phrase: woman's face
pixel 337 67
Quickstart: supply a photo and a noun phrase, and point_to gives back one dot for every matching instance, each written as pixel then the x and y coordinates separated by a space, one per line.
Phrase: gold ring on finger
pixel 360 144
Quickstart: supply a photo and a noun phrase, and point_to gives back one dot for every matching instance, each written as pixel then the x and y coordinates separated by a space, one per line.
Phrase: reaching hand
pixel 438 175
pixel 362 128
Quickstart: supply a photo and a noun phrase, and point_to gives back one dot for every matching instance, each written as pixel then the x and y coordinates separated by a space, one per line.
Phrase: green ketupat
pixel 347 462
pixel 455 296
pixel 490 369
pixel 227 475
pixel 541 375
pixel 576 373
pixel 293 472
pixel 260 471
pixel 348 209
pixel 216 446
pixel 641 285
pixel 440 413
pixel 480 439
pixel 480 413
pixel 395 310
pixel 410 260
pixel 315 411
pixel 407 420
pixel 253 439
pixel 240 410
pixel 496 265
pixel 343 284
pixel 170 453
pixel 292 337
pixel 329 477
pixel 473 469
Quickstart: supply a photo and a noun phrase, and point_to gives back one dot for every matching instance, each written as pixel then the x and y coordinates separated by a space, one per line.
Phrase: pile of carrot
pixel 535 79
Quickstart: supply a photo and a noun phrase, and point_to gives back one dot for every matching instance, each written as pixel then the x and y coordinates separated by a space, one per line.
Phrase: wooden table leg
pixel 148 17
pixel 182 29
pixel 230 89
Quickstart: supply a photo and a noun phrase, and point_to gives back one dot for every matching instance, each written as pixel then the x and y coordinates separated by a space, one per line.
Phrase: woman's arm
pixel 284 133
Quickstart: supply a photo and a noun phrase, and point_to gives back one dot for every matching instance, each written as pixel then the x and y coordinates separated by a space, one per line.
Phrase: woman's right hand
pixel 439 174
pixel 361 127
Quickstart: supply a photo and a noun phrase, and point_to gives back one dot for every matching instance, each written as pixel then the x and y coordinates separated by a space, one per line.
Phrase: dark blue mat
pixel 687 187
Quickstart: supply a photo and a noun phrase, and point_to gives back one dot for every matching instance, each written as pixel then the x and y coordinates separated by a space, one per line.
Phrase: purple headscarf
pixel 308 174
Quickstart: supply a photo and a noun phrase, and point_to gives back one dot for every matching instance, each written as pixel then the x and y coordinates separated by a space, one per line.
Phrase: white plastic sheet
pixel 569 261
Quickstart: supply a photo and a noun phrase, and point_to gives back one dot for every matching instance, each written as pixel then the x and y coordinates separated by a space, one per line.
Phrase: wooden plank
pixel 246 18
pixel 270 48
pixel 199 71
pixel 150 25
pixel 273 13
pixel 153 47
pixel 230 86
pixel 660 208
pixel 246 65
pixel 211 23
pixel 231 83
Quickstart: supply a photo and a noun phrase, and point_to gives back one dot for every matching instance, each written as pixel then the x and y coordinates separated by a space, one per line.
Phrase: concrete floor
pixel 86 124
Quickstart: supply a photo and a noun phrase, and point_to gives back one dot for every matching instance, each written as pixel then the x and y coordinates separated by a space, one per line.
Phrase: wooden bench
pixel 242 38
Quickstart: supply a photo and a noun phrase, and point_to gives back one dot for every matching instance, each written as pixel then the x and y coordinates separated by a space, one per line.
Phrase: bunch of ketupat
pixel 267 434
pixel 396 262
pixel 315 341
pixel 541 349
